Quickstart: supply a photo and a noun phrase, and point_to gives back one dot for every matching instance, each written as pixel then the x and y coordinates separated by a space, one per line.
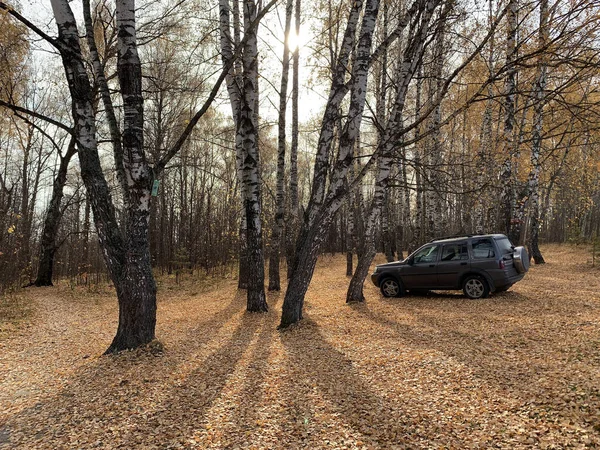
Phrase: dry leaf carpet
pixel 517 370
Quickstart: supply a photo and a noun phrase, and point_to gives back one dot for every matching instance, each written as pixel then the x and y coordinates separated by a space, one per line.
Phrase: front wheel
pixel 391 288
pixel 475 287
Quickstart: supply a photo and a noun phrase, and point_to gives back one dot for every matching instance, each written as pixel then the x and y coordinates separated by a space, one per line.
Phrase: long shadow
pixel 122 398
pixel 186 404
pixel 246 418
pixel 375 420
pixel 496 355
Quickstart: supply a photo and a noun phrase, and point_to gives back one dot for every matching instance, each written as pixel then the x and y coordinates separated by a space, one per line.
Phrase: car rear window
pixel 483 248
pixel 504 246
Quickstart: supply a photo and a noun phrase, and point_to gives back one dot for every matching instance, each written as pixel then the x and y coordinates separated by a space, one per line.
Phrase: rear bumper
pixel 508 281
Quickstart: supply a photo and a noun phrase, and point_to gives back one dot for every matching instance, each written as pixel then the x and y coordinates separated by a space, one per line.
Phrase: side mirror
pixel 410 261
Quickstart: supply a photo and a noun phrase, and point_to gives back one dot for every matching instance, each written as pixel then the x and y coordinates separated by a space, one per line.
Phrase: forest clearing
pixel 520 369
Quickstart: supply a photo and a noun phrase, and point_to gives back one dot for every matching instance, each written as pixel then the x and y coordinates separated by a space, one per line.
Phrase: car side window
pixel 427 255
pixel 483 248
pixel 455 252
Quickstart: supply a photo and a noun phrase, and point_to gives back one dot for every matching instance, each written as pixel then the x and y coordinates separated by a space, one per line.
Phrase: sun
pixel 297 40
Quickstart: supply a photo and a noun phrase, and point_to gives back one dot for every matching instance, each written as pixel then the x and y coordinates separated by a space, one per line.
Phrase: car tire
pixel 391 288
pixel 521 259
pixel 475 287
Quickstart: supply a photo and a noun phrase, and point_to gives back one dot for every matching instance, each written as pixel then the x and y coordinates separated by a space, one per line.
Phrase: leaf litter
pixel 519 369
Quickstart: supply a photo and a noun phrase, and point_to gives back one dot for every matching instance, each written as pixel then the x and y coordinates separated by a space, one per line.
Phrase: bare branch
pixel 160 166
pixel 29 112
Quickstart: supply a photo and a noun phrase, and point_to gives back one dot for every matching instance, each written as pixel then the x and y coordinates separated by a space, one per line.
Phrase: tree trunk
pixel 435 207
pixel 392 134
pixel 103 89
pixel 48 245
pixel 293 221
pixel 350 232
pixel 137 302
pixel 536 141
pixel 243 268
pixel 274 278
pixel 307 252
pixel 355 290
pixel 323 204
pixel 510 88
pixel 247 141
pixel 417 237
pixel 127 257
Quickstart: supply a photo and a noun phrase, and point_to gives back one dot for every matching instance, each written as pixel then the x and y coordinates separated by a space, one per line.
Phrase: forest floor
pixel 517 370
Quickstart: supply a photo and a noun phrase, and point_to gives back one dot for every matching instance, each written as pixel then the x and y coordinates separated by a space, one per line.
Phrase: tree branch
pixel 160 166
pixel 29 112
pixel 52 41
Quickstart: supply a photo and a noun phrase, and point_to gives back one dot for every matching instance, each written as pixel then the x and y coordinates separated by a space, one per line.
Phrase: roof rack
pixel 457 236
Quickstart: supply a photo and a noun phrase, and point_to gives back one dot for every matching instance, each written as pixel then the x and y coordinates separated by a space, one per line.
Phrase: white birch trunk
pixel 274 279
pixel 537 138
pixel 247 146
pixel 294 212
pixel 392 134
pixel 127 257
pixel 506 175
pixel 319 216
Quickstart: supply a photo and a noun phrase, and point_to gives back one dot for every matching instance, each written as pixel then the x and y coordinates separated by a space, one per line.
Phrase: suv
pixel 477 264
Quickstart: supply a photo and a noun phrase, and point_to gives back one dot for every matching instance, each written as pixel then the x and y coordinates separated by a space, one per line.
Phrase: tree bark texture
pixel 127 256
pixel 323 204
pixel 48 244
pixel 243 94
pixel 103 89
pixel 293 220
pixel 510 88
pixel 537 137
pixel 391 136
pixel 275 250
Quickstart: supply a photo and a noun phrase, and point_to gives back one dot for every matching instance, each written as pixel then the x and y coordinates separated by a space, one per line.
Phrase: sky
pixel 311 98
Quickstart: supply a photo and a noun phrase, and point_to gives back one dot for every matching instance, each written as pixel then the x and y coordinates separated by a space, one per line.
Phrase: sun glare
pixel 296 40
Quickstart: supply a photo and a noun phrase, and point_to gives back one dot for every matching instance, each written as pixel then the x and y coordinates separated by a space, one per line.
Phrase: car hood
pixel 391 264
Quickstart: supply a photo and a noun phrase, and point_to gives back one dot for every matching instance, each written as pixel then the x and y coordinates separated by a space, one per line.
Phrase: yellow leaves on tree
pixel 13 52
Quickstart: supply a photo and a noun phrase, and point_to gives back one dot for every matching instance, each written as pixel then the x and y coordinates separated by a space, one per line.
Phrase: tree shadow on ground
pixel 349 397
pixel 126 398
pixel 509 356
pixel 245 403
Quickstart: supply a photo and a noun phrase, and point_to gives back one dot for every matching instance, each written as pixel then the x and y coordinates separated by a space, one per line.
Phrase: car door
pixel 453 263
pixel 421 273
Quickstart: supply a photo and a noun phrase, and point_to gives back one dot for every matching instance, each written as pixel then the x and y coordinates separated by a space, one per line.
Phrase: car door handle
pixel 431 265
pixel 463 264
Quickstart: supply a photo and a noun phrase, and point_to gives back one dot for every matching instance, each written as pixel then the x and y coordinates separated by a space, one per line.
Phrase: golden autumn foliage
pixel 14 48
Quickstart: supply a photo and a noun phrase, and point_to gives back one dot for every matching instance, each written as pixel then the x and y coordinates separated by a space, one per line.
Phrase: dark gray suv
pixel 477 264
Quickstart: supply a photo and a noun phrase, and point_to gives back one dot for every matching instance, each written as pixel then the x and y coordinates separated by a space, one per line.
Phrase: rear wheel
pixel 390 288
pixel 475 287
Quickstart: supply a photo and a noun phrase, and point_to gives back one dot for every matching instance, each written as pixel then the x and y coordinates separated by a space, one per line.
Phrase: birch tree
pixel 510 88
pixel 49 244
pixel 274 278
pixel 325 202
pixel 388 142
pixel 242 86
pixel 537 137
pixel 125 247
